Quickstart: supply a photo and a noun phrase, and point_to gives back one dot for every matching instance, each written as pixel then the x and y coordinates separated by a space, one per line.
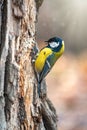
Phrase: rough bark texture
pixel 20 106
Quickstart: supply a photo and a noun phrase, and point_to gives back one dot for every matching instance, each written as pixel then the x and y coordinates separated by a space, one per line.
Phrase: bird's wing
pixel 47 67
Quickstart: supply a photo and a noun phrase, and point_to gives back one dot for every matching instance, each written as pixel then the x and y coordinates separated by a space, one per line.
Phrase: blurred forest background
pixel 67 81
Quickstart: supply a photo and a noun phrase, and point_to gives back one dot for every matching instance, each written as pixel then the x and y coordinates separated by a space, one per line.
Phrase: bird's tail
pixel 39 88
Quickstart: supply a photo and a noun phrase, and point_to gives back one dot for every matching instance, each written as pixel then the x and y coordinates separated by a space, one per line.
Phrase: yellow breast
pixel 40 60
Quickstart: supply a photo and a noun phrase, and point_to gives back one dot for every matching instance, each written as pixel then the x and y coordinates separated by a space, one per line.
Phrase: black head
pixel 55 43
pixel 54 39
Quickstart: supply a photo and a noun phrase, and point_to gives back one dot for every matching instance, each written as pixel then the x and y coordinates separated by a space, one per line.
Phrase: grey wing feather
pixel 47 67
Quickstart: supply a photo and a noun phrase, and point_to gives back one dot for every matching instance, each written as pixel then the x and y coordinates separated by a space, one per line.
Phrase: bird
pixel 47 57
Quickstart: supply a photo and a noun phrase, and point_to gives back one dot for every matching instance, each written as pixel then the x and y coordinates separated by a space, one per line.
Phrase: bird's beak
pixel 46 41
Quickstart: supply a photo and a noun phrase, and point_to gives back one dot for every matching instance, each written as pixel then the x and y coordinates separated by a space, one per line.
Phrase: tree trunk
pixel 20 106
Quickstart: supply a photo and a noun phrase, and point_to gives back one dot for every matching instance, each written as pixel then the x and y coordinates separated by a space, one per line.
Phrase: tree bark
pixel 20 106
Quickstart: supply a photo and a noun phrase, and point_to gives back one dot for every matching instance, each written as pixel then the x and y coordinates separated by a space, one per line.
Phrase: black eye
pixel 44 52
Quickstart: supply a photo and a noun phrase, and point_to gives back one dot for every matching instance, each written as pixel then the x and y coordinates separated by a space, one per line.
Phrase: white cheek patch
pixel 54 44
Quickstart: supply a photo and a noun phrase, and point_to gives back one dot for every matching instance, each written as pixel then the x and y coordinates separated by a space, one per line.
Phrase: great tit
pixel 47 57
